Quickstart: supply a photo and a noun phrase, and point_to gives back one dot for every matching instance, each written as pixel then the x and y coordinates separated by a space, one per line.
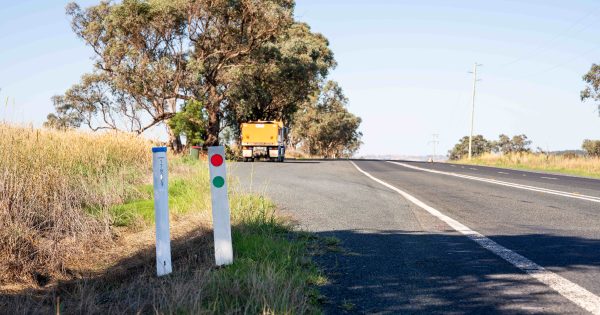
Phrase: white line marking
pixel 548 177
pixel 570 290
pixel 453 165
pixel 472 168
pixel 502 173
pixel 508 184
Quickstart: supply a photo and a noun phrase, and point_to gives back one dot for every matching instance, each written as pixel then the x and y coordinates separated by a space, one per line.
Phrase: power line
pixel 559 65
pixel 546 44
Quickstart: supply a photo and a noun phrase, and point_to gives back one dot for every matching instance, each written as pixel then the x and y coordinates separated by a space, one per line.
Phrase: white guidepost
pixel 220 206
pixel 161 210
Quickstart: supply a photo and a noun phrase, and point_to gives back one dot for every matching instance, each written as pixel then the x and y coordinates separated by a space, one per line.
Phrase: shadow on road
pixel 396 272
pixel 387 272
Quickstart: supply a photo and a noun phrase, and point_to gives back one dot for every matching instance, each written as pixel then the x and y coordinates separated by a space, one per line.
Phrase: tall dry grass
pixel 272 272
pixel 50 183
pixel 565 164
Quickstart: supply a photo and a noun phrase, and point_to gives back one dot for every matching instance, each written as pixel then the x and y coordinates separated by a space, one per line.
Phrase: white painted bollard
pixel 161 210
pixel 220 206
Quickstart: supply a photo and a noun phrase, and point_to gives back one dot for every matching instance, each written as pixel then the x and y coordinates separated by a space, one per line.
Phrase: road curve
pixel 400 258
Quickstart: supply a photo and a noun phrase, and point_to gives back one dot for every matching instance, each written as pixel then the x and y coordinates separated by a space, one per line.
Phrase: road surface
pixel 441 238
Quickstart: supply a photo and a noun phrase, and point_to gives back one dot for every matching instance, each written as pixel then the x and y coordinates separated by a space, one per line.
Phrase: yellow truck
pixel 263 139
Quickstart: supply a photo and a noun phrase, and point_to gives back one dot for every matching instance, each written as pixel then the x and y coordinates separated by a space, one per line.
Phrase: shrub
pixel 591 147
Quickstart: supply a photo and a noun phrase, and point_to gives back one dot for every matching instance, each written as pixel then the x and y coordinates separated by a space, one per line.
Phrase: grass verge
pixel 272 271
pixel 47 179
pixel 577 165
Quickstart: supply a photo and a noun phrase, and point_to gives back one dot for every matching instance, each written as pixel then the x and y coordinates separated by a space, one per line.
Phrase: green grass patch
pixel 272 272
pixel 188 191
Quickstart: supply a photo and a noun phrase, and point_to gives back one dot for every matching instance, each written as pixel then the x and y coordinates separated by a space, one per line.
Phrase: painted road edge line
pixel 503 183
pixel 570 290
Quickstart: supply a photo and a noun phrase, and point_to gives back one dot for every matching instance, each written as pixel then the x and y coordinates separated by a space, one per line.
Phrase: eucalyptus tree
pixel 591 147
pixel 324 126
pixel 480 146
pixel 516 144
pixel 152 55
pixel 225 35
pixel 140 73
pixel 592 90
pixel 281 75
pixel 241 60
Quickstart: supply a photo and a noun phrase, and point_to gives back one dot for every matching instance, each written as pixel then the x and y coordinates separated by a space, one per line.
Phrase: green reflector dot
pixel 218 181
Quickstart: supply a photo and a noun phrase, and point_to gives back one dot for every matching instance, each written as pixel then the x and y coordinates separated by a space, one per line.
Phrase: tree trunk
pixel 212 131
pixel 214 126
pixel 174 140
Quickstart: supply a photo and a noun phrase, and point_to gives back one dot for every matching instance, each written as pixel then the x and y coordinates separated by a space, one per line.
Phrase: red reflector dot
pixel 216 160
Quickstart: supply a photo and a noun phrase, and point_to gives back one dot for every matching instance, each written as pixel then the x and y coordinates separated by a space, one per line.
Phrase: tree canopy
pixel 506 145
pixel 324 126
pixel 480 145
pixel 591 147
pixel 140 65
pixel 592 90
pixel 283 75
pixel 230 61
pixel 190 122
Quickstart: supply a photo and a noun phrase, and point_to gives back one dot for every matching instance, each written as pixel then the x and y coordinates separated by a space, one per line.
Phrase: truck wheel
pixel 245 159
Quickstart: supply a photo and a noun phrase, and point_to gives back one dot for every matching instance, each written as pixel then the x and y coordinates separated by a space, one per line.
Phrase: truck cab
pixel 263 139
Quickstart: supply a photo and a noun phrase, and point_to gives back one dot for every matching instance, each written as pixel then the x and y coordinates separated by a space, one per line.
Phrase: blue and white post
pixel 161 210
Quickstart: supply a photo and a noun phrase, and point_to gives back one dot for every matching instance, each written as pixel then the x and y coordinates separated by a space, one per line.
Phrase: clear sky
pixel 403 65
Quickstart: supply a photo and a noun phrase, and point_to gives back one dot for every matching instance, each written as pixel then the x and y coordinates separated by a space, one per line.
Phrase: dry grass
pixel 573 165
pixel 271 274
pixel 47 180
pixel 65 192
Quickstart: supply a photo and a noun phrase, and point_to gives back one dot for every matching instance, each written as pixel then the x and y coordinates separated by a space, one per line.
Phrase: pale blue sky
pixel 403 65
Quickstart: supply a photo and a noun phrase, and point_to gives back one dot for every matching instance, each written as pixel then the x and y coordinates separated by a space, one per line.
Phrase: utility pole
pixel 434 141
pixel 473 108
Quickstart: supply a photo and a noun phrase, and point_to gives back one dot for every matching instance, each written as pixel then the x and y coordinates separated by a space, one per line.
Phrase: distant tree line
pixel 200 67
pixel 520 143
pixel 480 145
pixel 507 145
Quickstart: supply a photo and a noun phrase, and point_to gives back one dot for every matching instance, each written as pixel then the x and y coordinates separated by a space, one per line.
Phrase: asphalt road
pixel 399 258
